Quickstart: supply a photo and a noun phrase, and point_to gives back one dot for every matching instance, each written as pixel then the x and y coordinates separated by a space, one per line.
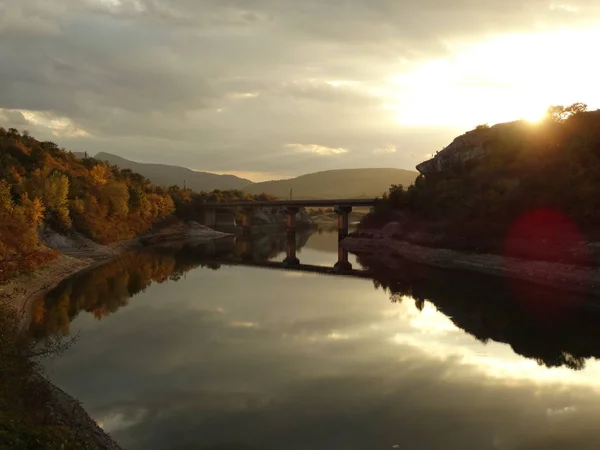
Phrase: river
pixel 188 348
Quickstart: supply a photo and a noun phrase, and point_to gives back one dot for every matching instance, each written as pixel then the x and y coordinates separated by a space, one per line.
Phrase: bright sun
pixel 535 114
pixel 507 78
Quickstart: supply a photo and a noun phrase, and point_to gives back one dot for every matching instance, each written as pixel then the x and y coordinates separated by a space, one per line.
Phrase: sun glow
pixel 506 78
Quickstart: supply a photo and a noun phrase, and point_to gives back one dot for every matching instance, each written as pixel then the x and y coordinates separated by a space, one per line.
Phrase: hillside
pixel 522 189
pixel 332 184
pixel 165 175
pixel 43 186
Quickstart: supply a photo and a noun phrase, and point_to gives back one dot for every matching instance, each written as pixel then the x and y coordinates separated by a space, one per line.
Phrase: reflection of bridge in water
pixel 247 256
pixel 551 327
pixel 309 268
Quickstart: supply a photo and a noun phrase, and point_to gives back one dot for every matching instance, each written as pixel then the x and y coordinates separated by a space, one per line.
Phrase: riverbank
pixel 78 253
pixel 386 246
pixel 59 416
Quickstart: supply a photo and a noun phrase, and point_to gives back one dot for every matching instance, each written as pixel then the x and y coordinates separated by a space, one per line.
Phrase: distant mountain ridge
pixel 335 184
pixel 330 184
pixel 166 175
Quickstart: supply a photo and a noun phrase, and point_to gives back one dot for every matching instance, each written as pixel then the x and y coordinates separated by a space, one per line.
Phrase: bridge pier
pixel 290 218
pixel 343 213
pixel 246 221
pixel 247 250
pixel 210 217
pixel 342 263
pixel 291 259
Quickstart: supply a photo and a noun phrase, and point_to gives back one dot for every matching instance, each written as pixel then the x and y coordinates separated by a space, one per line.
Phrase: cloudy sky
pixel 275 88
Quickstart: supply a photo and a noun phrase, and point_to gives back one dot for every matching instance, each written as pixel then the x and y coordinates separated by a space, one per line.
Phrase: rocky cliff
pixel 470 146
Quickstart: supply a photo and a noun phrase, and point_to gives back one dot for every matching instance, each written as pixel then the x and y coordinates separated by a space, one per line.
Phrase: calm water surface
pixel 179 351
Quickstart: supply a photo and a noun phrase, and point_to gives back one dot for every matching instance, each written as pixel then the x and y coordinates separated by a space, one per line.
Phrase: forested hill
pixel 531 181
pixel 165 175
pixel 334 184
pixel 44 185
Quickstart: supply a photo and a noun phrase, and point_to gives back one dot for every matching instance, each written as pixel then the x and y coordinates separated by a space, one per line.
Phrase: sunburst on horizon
pixel 505 78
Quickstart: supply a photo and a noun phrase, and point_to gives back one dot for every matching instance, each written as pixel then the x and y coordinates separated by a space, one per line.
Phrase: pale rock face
pixel 261 217
pixel 303 218
pixel 470 146
pixel 274 216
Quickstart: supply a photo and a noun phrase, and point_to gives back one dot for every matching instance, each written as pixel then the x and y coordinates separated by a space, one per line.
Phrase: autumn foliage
pixel 42 185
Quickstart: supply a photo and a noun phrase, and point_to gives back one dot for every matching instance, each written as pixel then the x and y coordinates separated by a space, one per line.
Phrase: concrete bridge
pixel 342 207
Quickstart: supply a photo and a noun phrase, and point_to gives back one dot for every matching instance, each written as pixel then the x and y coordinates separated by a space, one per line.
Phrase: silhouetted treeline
pixel 520 167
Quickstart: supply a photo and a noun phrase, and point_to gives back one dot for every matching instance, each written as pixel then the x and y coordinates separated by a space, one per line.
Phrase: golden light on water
pixel 505 78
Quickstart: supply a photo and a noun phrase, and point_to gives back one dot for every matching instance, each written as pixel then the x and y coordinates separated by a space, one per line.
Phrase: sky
pixel 277 88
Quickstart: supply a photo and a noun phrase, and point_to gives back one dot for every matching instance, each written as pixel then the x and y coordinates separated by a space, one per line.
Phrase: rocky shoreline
pixel 580 279
pixel 78 254
pixel 69 412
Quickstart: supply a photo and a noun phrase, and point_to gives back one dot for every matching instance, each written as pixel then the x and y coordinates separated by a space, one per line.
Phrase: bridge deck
pixel 297 203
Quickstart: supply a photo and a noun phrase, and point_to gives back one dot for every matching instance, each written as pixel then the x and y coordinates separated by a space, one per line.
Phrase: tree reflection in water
pixel 104 289
pixel 551 327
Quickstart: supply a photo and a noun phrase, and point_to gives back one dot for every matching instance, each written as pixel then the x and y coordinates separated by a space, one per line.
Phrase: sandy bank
pixel 580 279
pixel 65 410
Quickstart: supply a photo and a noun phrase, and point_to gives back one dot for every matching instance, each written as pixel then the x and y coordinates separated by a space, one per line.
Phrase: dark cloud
pixel 358 22
pixel 34 18
pixel 101 75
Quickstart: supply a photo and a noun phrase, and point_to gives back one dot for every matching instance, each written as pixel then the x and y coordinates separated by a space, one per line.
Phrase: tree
pixel 138 203
pixel 99 174
pixel 6 202
pixel 19 239
pixel 116 195
pixel 559 113
pixel 34 209
pixel 52 187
